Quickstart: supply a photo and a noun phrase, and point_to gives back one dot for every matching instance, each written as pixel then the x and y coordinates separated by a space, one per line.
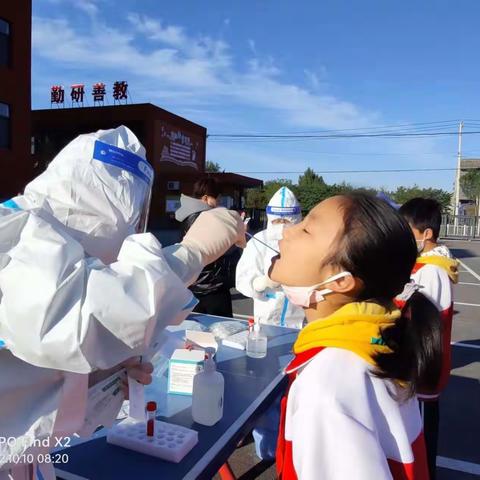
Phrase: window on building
pixel 4 43
pixel 4 125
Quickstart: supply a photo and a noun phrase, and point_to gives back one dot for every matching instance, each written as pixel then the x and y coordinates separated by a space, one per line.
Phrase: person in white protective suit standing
pixel 81 293
pixel 269 302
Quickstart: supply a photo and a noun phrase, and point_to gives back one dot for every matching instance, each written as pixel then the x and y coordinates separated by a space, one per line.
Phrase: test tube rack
pixel 170 442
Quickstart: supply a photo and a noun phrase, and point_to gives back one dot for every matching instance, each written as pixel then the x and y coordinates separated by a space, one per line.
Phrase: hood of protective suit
pixel 98 186
pixel 189 206
pixel 284 205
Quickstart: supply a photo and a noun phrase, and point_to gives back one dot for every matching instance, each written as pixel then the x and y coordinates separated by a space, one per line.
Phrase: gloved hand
pixel 261 283
pixel 214 232
pixel 141 372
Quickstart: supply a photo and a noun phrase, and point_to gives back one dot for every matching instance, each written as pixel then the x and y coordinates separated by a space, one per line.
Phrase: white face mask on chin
pixel 306 296
pixel 275 231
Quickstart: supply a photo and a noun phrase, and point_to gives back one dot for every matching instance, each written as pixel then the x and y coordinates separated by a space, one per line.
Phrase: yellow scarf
pixel 450 265
pixel 355 327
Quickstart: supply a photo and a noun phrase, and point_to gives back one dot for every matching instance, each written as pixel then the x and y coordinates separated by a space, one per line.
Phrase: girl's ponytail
pixel 416 343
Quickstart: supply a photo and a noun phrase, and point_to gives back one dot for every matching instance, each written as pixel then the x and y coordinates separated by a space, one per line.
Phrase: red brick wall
pixel 16 162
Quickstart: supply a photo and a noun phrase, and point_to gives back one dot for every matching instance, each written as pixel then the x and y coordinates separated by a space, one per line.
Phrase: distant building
pixel 15 61
pixel 175 147
pixel 467 205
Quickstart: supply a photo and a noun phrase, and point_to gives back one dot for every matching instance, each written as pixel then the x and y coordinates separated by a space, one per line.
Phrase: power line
pixel 416 126
pixel 335 136
pixel 393 170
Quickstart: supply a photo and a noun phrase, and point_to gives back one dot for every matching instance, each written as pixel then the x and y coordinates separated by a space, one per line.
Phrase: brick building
pixel 15 106
pixel 175 147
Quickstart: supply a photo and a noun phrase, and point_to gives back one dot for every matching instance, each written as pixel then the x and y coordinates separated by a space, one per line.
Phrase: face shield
pixel 142 171
pixel 142 224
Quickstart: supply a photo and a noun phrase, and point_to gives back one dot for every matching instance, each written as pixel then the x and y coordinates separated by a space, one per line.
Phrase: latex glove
pixel 141 372
pixel 214 232
pixel 260 284
pixel 138 371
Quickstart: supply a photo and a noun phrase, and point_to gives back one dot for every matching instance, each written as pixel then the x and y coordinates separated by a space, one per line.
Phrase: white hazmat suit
pixel 80 291
pixel 269 302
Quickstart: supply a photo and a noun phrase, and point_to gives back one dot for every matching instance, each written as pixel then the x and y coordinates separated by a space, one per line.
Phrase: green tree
pixel 470 183
pixel 255 198
pixel 259 197
pixel 309 177
pixel 212 167
pixel 312 189
pixel 270 187
pixel 403 194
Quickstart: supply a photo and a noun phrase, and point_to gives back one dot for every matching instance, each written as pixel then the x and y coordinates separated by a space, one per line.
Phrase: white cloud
pixel 87 6
pixel 312 78
pixel 155 30
pixel 199 65
pixel 199 76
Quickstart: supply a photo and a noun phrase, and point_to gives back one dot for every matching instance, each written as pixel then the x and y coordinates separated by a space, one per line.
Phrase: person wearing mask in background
pixel 269 302
pixel 81 293
pixel 212 289
pixel 270 306
pixel 435 271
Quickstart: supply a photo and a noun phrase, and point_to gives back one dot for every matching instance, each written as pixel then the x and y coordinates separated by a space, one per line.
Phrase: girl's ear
pixel 343 285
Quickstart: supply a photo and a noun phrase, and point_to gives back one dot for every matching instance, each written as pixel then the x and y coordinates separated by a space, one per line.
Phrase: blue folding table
pixel 251 386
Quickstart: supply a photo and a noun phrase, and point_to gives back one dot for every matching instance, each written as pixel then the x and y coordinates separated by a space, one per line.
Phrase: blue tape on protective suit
pixel 283 211
pixel 39 474
pixel 10 204
pixel 2 345
pixel 106 153
pixel 191 304
pixel 284 313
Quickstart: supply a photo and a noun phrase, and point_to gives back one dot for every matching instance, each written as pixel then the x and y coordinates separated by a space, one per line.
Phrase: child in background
pixel 435 271
pixel 351 410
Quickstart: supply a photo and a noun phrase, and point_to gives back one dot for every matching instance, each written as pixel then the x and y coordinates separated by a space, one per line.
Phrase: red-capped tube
pixel 151 414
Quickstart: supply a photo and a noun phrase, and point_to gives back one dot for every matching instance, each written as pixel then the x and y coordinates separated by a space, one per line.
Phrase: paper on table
pixel 200 340
pixel 103 404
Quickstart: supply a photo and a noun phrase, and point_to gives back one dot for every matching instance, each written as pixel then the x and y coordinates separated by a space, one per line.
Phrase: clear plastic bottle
pixel 208 392
pixel 256 342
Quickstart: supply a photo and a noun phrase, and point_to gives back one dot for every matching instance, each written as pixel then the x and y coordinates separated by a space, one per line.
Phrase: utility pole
pixel 456 208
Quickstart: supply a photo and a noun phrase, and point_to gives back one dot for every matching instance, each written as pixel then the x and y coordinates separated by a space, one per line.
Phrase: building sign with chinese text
pixel 57 95
pixel 120 91
pixel 99 93
pixel 77 93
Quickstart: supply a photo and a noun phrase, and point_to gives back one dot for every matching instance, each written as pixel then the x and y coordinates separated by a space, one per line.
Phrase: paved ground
pixel 459 445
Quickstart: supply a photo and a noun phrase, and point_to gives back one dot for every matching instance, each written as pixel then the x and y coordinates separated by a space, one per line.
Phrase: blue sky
pixel 281 66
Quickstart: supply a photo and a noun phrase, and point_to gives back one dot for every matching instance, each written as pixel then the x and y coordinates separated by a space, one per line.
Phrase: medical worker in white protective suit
pixel 80 292
pixel 269 302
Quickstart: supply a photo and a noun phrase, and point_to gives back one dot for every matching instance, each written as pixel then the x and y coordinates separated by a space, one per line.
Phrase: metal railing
pixel 460 226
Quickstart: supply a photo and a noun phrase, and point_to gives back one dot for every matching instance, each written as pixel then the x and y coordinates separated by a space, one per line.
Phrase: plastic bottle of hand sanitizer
pixel 256 342
pixel 208 391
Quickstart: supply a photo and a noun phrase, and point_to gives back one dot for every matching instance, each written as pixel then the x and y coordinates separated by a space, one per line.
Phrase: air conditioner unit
pixel 174 185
